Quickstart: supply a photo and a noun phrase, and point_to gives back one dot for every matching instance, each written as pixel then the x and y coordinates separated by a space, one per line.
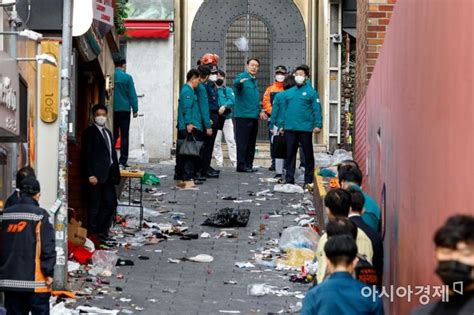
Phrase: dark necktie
pixel 106 138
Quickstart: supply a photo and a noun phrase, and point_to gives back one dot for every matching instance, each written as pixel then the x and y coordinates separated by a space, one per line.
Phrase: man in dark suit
pixel 102 171
pixel 357 209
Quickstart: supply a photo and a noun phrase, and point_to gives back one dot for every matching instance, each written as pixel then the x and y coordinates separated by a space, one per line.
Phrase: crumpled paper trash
pixel 289 189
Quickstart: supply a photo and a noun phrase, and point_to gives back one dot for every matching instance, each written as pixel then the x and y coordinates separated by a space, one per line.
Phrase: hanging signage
pixel 104 12
pixel 49 92
pixel 9 97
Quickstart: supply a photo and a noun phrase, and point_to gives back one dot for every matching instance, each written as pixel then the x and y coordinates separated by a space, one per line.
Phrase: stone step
pixel 262 154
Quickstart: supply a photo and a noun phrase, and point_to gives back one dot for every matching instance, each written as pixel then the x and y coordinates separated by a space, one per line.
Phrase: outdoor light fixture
pixel 25 33
pixel 43 58
pixel 7 3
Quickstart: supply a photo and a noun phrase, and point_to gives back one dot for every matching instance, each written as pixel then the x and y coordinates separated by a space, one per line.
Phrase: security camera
pixel 16 21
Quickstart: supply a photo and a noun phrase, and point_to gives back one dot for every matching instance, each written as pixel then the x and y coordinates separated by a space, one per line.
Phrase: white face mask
pixel 100 120
pixel 213 77
pixel 280 78
pixel 299 79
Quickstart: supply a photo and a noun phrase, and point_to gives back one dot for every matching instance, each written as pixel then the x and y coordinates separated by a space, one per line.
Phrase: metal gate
pixel 258 35
pixel 275 29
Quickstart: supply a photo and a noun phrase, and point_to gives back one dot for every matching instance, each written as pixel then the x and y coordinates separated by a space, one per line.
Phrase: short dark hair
pixel 97 107
pixel 348 162
pixel 305 68
pixel 289 82
pixel 341 226
pixel 338 201
pixel 357 199
pixel 341 250
pixel 458 228
pixel 204 71
pixel 250 59
pixel 221 73
pixel 192 74
pixel 23 173
pixel 120 62
pixel 30 186
pixel 350 173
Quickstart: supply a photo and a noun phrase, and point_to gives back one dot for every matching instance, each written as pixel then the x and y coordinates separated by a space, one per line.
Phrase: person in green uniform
pixel 190 124
pixel 303 118
pixel 203 102
pixel 246 114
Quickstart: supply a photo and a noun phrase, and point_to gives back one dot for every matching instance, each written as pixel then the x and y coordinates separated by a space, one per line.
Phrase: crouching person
pixel 27 254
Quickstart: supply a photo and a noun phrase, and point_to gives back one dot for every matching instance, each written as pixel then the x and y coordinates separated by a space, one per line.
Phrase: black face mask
pixel 219 82
pixel 452 271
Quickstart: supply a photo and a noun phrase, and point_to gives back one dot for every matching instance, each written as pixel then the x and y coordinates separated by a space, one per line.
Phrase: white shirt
pixel 108 140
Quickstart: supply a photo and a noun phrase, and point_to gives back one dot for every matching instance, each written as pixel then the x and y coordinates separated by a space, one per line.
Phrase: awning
pixel 351 31
pixel 148 28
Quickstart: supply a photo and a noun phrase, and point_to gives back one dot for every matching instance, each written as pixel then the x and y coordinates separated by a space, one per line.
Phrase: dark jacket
pixel 212 95
pixel 27 247
pixel 13 199
pixel 377 244
pixel 97 157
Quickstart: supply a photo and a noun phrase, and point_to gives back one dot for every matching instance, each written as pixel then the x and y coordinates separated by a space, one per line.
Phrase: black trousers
pixel 102 207
pixel 187 166
pixel 293 139
pixel 246 130
pixel 122 123
pixel 21 303
pixel 270 135
pixel 208 147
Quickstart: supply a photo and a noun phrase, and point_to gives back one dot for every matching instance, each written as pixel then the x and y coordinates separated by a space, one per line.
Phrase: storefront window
pixel 151 9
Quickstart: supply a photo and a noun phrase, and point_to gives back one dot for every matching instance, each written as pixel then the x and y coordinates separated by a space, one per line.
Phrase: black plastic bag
pixel 229 217
pixel 189 146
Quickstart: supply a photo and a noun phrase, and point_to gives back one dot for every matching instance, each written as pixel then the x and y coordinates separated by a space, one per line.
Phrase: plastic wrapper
pixel 242 44
pixel 299 237
pixel 340 155
pixel 322 160
pixel 297 257
pixel 289 189
pixel 103 263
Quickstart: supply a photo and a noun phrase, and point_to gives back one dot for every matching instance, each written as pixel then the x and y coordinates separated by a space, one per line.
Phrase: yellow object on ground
pixel 66 294
pixel 296 257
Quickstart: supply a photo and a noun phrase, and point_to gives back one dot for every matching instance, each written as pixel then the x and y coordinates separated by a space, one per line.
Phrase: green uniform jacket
pixel 203 102
pixel 278 111
pixel 188 109
pixel 247 97
pixel 125 96
pixel 226 99
pixel 302 108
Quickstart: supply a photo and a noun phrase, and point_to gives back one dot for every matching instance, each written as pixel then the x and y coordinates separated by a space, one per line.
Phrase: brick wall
pixel 373 17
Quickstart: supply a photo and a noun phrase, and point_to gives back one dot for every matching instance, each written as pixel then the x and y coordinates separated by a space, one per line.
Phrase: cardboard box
pixel 76 233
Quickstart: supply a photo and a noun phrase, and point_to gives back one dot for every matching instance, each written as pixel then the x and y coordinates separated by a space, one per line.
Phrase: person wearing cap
pixel 226 126
pixel 125 101
pixel 246 114
pixel 268 97
pixel 302 119
pixel 102 173
pixel 27 253
pixel 213 98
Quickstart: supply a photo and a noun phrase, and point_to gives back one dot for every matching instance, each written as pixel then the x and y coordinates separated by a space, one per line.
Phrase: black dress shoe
pixel 198 182
pixel 200 178
pixel 271 168
pixel 212 175
pixel 214 170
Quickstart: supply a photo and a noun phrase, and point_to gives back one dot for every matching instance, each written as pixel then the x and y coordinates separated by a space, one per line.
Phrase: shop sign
pixel 9 97
pixel 49 91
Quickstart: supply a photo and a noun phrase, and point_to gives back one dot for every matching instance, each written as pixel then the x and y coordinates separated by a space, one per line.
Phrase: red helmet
pixel 210 59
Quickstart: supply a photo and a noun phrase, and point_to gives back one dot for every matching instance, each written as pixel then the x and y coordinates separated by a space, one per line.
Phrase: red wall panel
pixel 420 99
